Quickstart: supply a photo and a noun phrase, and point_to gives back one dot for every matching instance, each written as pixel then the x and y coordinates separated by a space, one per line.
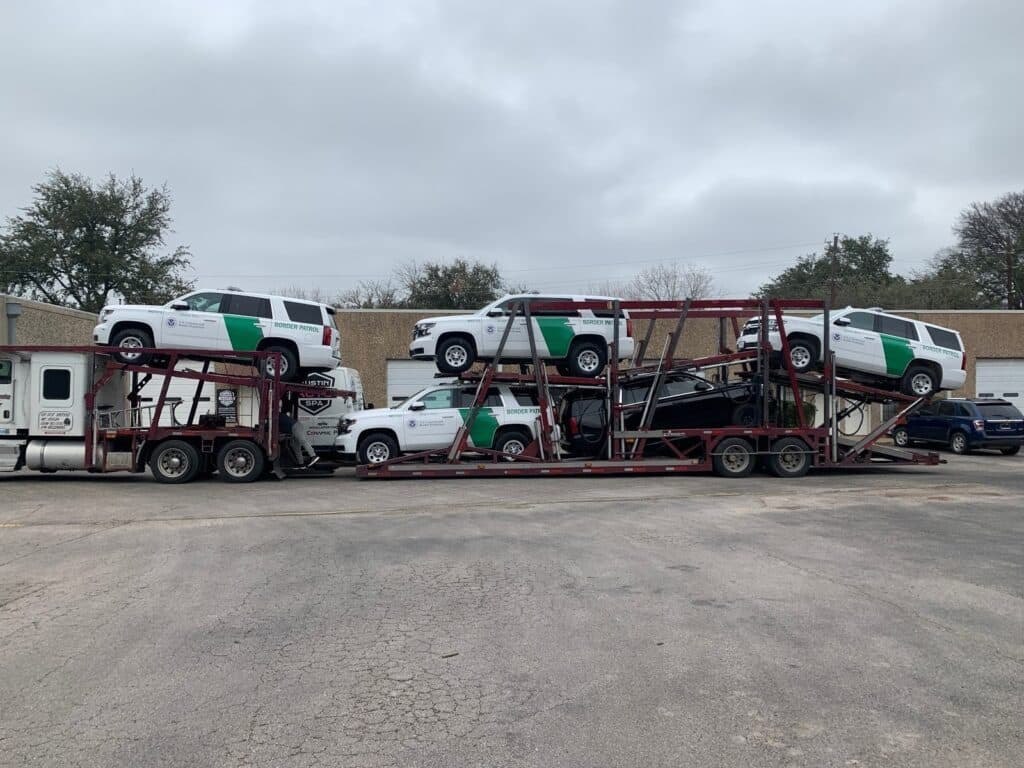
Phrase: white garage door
pixel 1001 378
pixel 406 377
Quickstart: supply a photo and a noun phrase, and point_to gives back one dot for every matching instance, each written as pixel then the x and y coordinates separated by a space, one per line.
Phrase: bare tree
pixel 662 282
pixel 300 292
pixel 372 294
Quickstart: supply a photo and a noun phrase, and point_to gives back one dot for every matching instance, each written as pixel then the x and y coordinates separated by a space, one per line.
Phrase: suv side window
pixel 963 410
pixel 947 409
pixel 493 399
pixel 247 306
pixel 304 313
pixel 942 338
pixel 555 312
pixel 439 398
pixel 894 326
pixel 861 320
pixel 526 398
pixel 205 302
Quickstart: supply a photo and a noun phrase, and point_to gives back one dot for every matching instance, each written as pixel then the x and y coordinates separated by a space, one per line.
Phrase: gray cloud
pixel 326 142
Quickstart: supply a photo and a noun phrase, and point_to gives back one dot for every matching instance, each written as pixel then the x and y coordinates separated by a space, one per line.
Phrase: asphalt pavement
pixel 871 618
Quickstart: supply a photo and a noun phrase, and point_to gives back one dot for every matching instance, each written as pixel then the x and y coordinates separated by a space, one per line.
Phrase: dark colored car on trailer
pixel 965 425
pixel 685 401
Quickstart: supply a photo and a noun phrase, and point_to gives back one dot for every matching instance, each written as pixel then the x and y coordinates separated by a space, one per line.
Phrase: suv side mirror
pixel 842 321
pixel 179 305
pixel 702 386
pixel 496 313
pixel 418 407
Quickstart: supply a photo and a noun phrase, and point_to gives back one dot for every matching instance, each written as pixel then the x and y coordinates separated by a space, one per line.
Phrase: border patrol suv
pixel 919 357
pixel 576 341
pixel 430 419
pixel 303 332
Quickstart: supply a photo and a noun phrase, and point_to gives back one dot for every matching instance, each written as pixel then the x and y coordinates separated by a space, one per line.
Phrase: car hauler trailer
pixel 78 408
pixel 788 445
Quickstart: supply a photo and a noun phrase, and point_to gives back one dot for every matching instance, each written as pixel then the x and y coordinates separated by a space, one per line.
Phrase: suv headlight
pixel 105 313
pixel 345 425
pixel 422 329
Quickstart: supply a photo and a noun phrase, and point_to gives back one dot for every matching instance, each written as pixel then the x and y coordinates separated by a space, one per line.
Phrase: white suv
pixel 303 332
pixel 576 341
pixel 919 357
pixel 430 419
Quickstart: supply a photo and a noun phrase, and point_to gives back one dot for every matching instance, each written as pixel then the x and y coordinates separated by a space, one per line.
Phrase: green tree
pixel 459 285
pixel 862 274
pixel 81 244
pixel 991 249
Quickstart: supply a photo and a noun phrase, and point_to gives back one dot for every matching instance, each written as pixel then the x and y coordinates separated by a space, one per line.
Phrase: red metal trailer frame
pixel 625 448
pixel 269 392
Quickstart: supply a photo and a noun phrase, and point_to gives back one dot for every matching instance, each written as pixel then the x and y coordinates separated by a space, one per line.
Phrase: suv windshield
pixel 998 411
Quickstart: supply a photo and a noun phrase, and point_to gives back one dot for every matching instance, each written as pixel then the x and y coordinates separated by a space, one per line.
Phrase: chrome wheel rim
pixel 588 361
pixel 800 357
pixel 921 384
pixel 900 437
pixel 456 356
pixel 271 368
pixel 239 462
pixel 131 342
pixel 959 443
pixel 377 452
pixel 173 462
pixel 514 447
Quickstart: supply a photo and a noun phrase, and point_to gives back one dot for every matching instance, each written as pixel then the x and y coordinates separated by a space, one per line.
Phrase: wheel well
pixel 931 365
pixel 601 341
pixel 125 325
pixel 791 337
pixel 275 342
pixel 383 430
pixel 460 334
pixel 505 429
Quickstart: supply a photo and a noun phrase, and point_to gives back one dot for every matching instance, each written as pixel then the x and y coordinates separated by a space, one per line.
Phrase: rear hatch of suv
pixel 1002 419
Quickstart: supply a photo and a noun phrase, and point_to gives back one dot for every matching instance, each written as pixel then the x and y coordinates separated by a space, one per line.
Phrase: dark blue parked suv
pixel 964 425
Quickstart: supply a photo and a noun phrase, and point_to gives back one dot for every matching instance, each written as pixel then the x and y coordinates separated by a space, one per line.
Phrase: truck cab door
pixel 6 391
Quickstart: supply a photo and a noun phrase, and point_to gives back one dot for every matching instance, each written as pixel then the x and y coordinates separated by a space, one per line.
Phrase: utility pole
pixel 1009 279
pixel 832 270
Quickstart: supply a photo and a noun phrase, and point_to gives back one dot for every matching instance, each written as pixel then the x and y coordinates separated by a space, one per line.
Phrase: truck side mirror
pixel 842 321
pixel 418 407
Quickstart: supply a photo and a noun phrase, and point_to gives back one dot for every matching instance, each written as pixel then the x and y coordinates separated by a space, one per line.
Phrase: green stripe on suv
pixel 898 354
pixel 245 333
pixel 484 427
pixel 558 334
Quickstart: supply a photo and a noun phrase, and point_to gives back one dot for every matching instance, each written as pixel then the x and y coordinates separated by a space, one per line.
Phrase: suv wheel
pixel 455 355
pixel 1013 450
pixel 587 359
pixel 803 354
pixel 513 442
pixel 376 448
pixel 289 363
pixel 958 443
pixel 919 381
pixel 132 339
pixel 901 437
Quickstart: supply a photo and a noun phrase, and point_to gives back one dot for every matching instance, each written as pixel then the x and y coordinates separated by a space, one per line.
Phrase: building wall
pixel 47 324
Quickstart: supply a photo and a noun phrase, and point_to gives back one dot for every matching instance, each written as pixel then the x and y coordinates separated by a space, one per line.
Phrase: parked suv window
pixel 943 338
pixel 862 320
pixel 947 409
pixel 205 302
pixel 248 306
pixel 304 313
pixel 998 411
pixel 527 398
pixel 493 399
pixel 441 398
pixel 894 326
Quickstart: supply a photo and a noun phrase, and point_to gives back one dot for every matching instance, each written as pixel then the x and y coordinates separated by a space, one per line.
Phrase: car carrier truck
pixel 78 408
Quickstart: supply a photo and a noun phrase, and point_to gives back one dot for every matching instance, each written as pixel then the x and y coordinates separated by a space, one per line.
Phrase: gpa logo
pixel 412 423
pixel 171 322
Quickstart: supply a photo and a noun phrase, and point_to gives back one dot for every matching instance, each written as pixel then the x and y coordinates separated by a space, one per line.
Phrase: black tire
pixel 376 448
pixel 174 462
pixel 913 382
pixel 132 338
pixel 958 443
pixel 746 415
pixel 455 355
pixel 587 359
pixel 803 354
pixel 240 461
pixel 289 363
pixel 1013 450
pixel 790 457
pixel 513 441
pixel 733 457
pixel 900 437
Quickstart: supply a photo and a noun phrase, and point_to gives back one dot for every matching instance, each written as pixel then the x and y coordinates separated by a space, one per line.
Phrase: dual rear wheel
pixel 735 457
pixel 178 461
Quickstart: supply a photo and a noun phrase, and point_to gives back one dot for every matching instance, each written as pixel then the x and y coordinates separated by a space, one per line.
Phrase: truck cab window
pixel 6 367
pixel 57 384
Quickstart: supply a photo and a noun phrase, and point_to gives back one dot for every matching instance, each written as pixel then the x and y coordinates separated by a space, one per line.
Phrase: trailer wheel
pixel 791 457
pixel 733 457
pixel 240 461
pixel 174 461
pixel 129 339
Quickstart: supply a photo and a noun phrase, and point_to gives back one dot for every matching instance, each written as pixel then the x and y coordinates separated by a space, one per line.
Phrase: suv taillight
pixel 327 336
pixel 963 361
pixel 574 426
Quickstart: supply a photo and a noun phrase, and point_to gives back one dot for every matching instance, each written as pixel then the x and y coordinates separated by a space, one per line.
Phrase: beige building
pixel 376 343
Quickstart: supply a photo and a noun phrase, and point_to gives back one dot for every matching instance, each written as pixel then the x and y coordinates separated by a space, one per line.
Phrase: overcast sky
pixel 320 143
